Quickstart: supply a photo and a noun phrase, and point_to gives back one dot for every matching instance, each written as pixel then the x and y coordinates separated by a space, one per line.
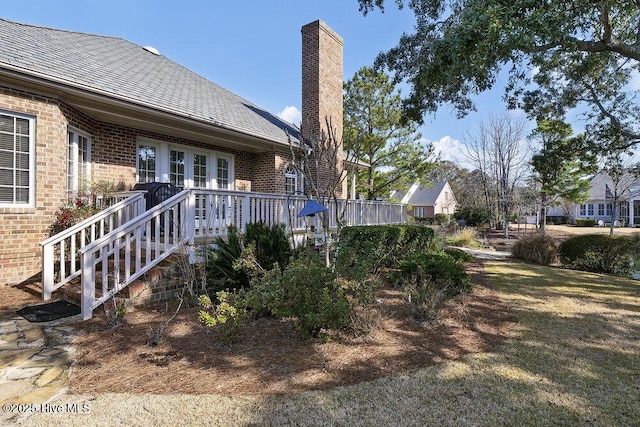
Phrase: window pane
pixel 6 123
pixel 22 144
pixel 22 195
pixel 6 177
pixel 223 173
pixel 6 160
pixel 22 126
pixel 6 142
pixel 6 195
pixel 146 163
pixel 176 167
pixel 22 161
pixel 199 170
pixel 22 178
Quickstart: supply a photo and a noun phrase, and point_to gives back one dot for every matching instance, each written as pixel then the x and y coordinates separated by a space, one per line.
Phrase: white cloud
pixel 452 150
pixel 291 114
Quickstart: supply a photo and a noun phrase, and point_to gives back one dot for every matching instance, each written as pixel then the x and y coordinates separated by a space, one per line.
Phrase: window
pixel 16 159
pixel 418 212
pixel 146 163
pixel 590 209
pixel 583 210
pixel 290 180
pixel 78 161
pixel 602 209
pixel 176 167
pixel 200 170
pixel 222 179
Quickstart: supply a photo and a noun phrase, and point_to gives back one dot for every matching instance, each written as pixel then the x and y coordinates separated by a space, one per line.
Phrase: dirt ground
pixel 269 357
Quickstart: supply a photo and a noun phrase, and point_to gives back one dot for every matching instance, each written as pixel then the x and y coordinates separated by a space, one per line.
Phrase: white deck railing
pixel 126 253
pixel 60 252
pixel 112 249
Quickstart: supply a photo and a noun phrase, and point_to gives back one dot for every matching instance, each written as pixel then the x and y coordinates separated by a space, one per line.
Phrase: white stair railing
pixel 129 251
pixel 67 243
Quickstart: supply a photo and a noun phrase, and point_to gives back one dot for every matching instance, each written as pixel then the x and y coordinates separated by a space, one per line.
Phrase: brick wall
pixel 322 82
pixel 113 158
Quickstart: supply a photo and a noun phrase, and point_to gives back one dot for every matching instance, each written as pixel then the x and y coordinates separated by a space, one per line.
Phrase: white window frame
pixel 290 173
pixel 419 212
pixel 157 163
pixel 163 159
pixel 73 139
pixel 31 202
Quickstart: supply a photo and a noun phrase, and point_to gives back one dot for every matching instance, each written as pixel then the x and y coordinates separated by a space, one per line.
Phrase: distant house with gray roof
pixel 77 108
pixel 426 202
pixel 602 195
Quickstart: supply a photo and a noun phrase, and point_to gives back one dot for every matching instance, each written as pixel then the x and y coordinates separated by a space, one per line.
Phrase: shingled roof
pixel 119 69
pixel 422 196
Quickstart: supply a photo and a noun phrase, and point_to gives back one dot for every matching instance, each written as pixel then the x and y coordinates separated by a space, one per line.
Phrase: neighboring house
pixel 599 206
pixel 426 202
pixel 78 108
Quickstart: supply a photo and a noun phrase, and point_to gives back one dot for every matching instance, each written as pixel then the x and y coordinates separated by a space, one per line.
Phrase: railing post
pixel 47 271
pixel 246 208
pixel 88 290
pixel 189 222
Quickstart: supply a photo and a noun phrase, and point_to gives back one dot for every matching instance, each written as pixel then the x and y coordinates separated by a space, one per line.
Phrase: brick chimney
pixel 322 83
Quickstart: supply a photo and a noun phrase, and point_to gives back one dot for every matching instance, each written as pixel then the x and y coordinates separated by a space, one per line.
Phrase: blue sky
pixel 251 48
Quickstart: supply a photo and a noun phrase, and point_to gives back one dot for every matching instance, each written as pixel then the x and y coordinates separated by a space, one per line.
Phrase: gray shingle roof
pixel 427 196
pixel 123 70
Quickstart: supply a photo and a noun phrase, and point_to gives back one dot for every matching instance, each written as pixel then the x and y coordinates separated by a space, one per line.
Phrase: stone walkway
pixel 34 362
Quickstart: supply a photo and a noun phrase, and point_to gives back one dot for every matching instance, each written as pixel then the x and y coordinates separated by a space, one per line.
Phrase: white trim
pixel 32 160
pixel 77 134
pixel 163 158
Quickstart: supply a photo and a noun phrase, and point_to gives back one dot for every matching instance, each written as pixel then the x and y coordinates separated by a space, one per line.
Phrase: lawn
pixel 574 359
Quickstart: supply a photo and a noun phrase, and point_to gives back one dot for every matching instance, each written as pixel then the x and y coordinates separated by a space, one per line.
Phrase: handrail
pixel 134 248
pixel 136 196
pixel 69 241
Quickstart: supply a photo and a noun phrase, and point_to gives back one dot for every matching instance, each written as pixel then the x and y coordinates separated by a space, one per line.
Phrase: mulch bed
pixel 269 357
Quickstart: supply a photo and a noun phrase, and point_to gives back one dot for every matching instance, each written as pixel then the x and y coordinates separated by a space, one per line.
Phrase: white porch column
pixel 631 214
pixel 353 185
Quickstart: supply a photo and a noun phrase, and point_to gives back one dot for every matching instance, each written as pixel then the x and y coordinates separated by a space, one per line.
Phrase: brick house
pixel 79 108
pixel 426 202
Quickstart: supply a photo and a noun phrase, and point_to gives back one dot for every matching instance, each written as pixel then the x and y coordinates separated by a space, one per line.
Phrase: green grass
pixel 573 360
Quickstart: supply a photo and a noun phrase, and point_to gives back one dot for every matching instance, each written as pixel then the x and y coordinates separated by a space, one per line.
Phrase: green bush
pixel 363 250
pixel 472 216
pixel 309 292
pixel 429 279
pixel 270 244
pixel 585 222
pixel 556 219
pixel 599 253
pixel 441 219
pixel 438 269
pixel 537 249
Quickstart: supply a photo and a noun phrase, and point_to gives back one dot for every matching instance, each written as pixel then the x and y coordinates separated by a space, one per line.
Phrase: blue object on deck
pixel 312 207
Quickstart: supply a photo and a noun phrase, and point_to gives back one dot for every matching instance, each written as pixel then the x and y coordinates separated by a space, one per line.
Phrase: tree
pixel 560 166
pixel 373 132
pixel 623 176
pixel 496 150
pixel 583 51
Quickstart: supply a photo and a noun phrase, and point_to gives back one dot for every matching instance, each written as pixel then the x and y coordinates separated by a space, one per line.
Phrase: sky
pixel 253 47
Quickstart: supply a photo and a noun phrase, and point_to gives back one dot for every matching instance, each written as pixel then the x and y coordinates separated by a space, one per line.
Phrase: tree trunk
pixel 543 212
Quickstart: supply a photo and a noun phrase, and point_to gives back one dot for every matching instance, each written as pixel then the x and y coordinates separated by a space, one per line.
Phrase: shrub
pixel 536 248
pixel 599 253
pixel 466 237
pixel 429 279
pixel 309 292
pixel 72 213
pixel 438 269
pixel 585 222
pixel 228 313
pixel 363 250
pixel 556 219
pixel 270 244
pixel 472 216
pixel 441 218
